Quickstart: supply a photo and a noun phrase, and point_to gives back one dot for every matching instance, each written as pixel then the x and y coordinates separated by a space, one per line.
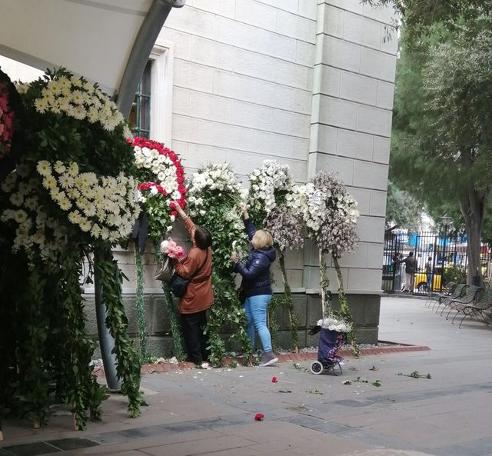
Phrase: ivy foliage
pixel 128 363
pixel 42 322
pixel 48 314
pixel 82 392
pixel 140 306
pixel 218 210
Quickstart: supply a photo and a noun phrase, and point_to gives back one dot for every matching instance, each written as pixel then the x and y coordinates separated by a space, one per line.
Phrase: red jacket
pixel 199 293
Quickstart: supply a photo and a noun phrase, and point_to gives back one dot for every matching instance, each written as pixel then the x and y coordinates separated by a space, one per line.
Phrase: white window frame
pixel 161 90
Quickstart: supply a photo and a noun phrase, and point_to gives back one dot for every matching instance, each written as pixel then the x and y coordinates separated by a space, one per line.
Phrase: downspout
pixel 142 47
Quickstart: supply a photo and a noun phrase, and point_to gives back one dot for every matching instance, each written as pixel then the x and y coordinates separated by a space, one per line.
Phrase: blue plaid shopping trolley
pixel 329 361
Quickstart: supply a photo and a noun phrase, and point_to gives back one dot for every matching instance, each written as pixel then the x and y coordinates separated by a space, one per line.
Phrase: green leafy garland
pixel 226 315
pixel 344 311
pixel 172 312
pixel 140 305
pixel 277 302
pixel 33 388
pixel 214 198
pixel 161 180
pixel 82 390
pixel 128 363
pixel 74 147
pixel 288 304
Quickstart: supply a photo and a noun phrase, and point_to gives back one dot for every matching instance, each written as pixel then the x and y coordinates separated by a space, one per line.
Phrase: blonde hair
pixel 262 239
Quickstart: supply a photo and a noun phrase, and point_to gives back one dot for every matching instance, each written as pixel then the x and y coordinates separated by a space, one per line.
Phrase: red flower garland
pixel 6 121
pixel 162 150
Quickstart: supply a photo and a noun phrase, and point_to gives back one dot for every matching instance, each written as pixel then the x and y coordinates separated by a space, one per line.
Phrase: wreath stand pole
pixel 106 340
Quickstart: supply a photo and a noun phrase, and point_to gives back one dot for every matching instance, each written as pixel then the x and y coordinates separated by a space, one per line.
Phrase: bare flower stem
pixel 289 303
pixel 324 284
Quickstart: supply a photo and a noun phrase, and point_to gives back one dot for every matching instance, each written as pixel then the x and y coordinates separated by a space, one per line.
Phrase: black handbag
pixel 178 284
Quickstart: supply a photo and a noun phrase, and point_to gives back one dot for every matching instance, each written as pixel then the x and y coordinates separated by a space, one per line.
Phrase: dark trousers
pixel 193 326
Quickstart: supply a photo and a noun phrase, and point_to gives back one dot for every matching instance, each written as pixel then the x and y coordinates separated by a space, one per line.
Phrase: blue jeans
pixel 256 308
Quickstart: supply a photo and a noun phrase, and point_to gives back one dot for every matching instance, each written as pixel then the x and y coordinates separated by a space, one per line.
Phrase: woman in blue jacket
pixel 256 287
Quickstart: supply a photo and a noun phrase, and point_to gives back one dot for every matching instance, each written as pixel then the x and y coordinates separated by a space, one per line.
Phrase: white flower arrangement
pixel 214 198
pixel 161 181
pixel 329 212
pixel 306 201
pixel 217 178
pixel 80 99
pixel 161 166
pixel 105 207
pixel 335 324
pixel 34 228
pixel 266 181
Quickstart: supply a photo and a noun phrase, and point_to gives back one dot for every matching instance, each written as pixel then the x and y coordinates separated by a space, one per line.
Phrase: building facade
pixel 306 82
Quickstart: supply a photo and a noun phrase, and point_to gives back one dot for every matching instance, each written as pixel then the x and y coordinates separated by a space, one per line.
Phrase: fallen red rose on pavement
pixel 259 417
pixel 274 379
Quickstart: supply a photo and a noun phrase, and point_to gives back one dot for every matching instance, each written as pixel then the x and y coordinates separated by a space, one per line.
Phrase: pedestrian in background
pixel 428 273
pixel 410 270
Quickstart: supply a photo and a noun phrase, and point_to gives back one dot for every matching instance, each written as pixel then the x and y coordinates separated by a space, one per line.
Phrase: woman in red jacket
pixel 199 297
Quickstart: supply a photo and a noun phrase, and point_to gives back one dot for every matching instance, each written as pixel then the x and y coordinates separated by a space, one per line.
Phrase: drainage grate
pixel 48 447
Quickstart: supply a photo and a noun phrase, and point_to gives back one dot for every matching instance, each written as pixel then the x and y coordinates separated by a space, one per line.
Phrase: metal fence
pixel 446 253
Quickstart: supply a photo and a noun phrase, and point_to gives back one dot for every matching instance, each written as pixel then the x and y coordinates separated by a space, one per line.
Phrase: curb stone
pixel 282 358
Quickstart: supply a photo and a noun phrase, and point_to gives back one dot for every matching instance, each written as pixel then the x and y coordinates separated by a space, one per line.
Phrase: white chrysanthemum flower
pixel 44 168
pixel 73 169
pixel 20 216
pixel 85 225
pixel 59 167
pixel 49 183
pixel 16 199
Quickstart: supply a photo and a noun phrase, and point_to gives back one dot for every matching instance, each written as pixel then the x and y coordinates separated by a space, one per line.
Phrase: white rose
pixel 164 245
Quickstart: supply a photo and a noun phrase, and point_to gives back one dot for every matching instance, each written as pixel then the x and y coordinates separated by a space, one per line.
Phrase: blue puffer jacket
pixel 256 270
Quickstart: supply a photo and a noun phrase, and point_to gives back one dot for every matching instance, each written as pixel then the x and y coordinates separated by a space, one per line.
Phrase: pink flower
pixel 180 253
pixel 172 250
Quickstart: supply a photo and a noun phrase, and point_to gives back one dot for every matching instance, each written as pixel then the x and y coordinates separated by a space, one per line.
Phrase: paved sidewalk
pixel 194 412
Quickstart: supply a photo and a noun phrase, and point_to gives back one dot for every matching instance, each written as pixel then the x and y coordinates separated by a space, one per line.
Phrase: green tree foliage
pixel 442 127
pixel 417 15
pixel 402 208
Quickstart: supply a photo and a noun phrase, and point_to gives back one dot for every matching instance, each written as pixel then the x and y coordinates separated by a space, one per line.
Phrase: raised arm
pixel 188 223
pixel 248 224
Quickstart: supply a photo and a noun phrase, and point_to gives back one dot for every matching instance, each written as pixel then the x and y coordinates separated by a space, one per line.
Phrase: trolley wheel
pixel 316 367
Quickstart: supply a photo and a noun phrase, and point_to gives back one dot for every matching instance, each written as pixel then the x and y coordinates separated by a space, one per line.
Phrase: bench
pixel 470 296
pixel 445 299
pixel 479 308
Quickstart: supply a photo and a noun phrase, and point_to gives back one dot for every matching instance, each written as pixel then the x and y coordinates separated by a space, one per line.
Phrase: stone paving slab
pixel 211 412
